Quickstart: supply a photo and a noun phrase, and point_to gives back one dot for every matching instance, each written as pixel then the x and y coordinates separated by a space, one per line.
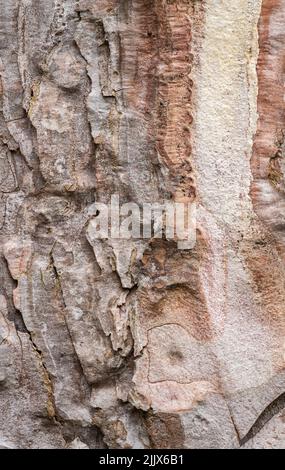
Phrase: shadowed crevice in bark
pixel 270 411
pixel 13 313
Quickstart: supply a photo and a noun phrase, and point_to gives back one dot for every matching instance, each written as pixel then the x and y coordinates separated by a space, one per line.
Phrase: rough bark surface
pixel 135 343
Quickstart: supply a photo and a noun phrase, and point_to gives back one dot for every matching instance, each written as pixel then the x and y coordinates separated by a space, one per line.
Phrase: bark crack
pixel 51 408
pixel 268 413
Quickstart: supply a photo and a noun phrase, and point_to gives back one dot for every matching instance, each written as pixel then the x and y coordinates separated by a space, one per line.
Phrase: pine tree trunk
pixel 139 343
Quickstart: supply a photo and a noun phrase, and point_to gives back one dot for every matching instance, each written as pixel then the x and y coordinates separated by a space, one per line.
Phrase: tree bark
pixel 137 343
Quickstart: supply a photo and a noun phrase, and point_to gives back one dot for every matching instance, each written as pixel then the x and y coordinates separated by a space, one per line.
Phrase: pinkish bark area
pixel 136 343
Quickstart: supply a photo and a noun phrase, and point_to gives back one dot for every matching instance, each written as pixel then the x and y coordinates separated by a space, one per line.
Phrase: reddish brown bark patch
pixel 271 74
pixel 156 67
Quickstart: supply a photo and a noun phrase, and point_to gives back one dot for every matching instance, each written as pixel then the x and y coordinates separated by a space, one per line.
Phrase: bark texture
pixel 135 343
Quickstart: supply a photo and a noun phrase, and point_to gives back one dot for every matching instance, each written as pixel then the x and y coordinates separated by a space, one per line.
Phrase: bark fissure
pixel 270 411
